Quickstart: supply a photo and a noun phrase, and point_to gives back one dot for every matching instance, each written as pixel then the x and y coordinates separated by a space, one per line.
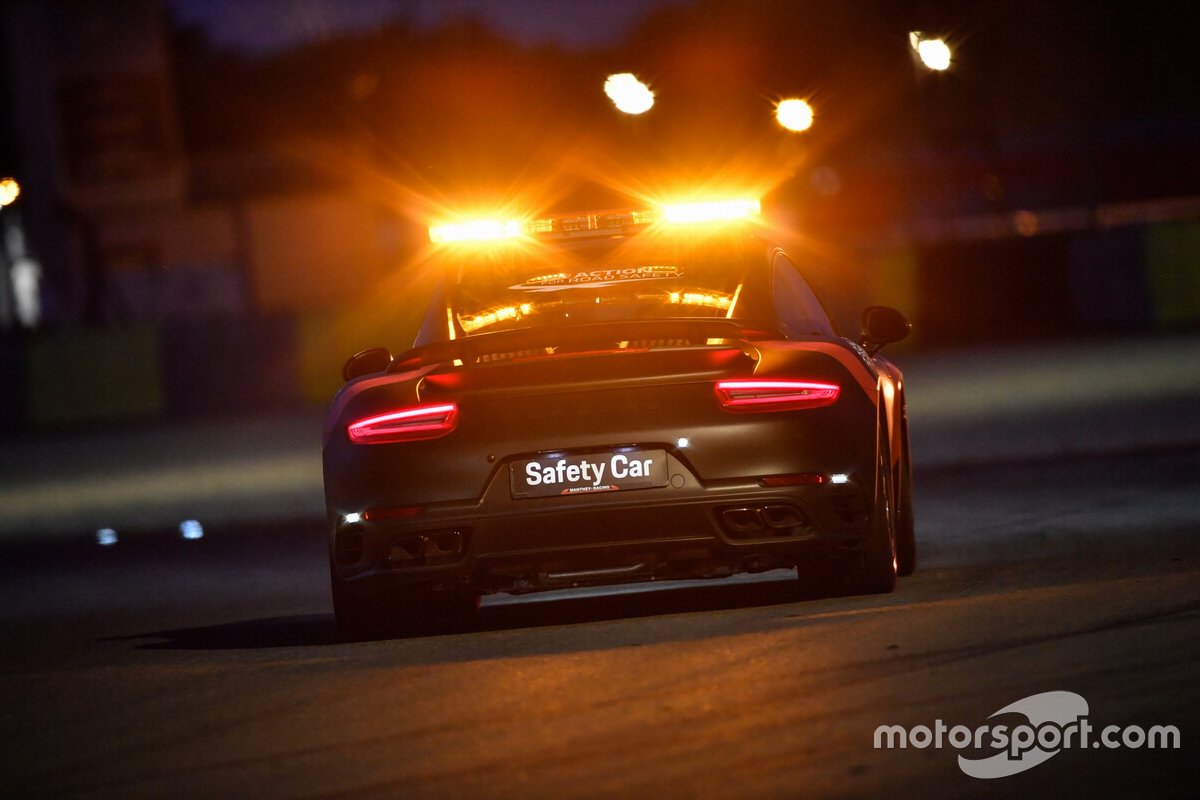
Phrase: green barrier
pixel 320 353
pixel 1173 272
pixel 325 342
pixel 94 376
pixel 892 281
pixel 13 410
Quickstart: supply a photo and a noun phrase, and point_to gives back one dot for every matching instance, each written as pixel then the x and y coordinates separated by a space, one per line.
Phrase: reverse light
pixel 755 394
pixel 407 425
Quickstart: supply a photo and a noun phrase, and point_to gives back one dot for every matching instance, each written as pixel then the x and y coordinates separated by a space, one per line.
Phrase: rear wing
pixel 592 337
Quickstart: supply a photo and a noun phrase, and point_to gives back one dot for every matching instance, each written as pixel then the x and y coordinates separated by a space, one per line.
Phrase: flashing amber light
pixel 756 394
pixel 706 299
pixel 482 230
pixel 715 211
pixel 595 223
pixel 406 425
pixel 492 316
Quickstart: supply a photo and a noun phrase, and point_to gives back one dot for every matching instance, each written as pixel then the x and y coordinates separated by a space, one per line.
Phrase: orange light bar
pixel 595 223
pixel 481 230
pixel 716 211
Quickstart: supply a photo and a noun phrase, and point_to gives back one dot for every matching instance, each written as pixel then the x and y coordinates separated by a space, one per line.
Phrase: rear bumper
pixel 502 544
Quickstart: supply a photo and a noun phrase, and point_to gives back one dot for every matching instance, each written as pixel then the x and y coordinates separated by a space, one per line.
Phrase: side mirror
pixel 883 325
pixel 375 359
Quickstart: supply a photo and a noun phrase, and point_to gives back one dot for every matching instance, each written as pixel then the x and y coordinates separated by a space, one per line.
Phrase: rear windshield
pixel 618 279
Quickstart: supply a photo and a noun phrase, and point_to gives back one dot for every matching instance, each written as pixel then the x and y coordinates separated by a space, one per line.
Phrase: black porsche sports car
pixel 616 396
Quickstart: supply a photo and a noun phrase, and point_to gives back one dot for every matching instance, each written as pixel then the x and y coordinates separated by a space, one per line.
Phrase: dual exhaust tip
pixel 421 548
pixel 764 521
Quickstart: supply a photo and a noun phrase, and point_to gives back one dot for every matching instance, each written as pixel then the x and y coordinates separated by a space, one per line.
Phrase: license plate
pixel 547 476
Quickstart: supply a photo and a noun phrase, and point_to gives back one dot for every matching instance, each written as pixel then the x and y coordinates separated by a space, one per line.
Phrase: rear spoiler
pixel 636 334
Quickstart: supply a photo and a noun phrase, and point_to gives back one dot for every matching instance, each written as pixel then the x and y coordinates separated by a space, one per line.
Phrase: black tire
pixel 875 572
pixel 357 619
pixel 906 535
pixel 819 579
pixel 406 612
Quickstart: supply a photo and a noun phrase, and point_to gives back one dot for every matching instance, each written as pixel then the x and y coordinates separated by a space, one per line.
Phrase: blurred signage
pixel 116 128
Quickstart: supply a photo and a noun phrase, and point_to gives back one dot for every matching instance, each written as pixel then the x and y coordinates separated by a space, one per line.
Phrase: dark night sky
pixel 267 25
pixel 1075 80
pixel 1110 54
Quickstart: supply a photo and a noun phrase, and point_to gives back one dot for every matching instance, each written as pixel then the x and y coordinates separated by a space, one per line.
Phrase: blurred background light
pixel 794 114
pixel 9 191
pixel 628 94
pixel 106 537
pixel 933 52
pixel 191 529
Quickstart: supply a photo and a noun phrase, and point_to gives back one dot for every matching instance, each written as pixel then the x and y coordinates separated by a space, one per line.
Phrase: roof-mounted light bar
pixel 596 223
pixel 715 211
pixel 592 222
pixel 481 230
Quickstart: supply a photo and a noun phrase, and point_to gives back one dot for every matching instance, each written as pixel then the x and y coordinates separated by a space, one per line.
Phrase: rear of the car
pixel 612 404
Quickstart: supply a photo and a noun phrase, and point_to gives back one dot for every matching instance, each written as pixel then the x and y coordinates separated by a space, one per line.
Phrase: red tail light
pixel 764 394
pixel 406 425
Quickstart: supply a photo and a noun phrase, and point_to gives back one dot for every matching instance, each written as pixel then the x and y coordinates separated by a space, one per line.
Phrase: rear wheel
pixel 357 619
pixel 409 611
pixel 819 579
pixel 875 573
pixel 906 537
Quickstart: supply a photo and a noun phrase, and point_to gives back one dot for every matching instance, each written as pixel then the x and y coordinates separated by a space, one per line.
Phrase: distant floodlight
pixel 106 537
pixel 794 114
pixel 9 191
pixel 628 93
pixel 191 529
pixel 933 52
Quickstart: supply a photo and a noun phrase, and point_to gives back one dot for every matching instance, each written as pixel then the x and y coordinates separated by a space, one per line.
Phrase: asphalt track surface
pixel 1058 500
